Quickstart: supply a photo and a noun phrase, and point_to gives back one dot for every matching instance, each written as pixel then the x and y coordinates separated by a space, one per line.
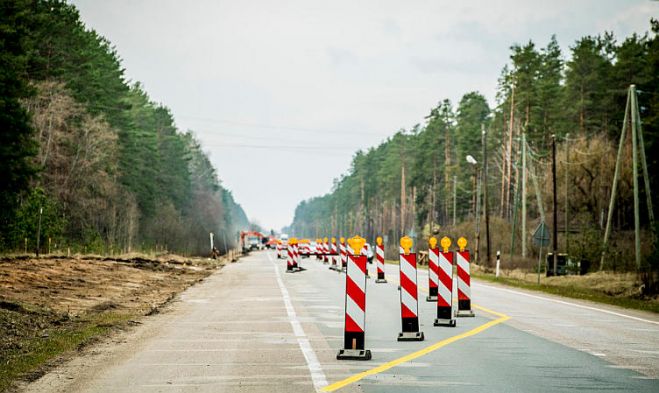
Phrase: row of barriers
pixel 350 258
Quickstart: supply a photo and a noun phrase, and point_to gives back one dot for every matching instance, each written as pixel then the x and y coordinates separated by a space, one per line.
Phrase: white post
pixel 211 236
pixel 498 261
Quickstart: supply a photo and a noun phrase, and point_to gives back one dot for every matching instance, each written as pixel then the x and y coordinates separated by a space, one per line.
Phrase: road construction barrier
pixel 318 250
pixel 343 253
pixel 355 305
pixel 334 256
pixel 409 305
pixel 433 266
pixel 290 260
pixel 464 280
pixel 379 260
pixel 445 285
pixel 278 248
pixel 325 251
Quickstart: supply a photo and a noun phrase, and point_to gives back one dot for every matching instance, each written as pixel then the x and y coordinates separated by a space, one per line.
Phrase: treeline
pixel 105 165
pixel 419 179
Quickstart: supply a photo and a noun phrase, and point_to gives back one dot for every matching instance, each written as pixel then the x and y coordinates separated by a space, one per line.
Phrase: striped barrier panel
pixel 343 253
pixel 334 256
pixel 409 305
pixel 355 307
pixel 433 272
pixel 445 286
pixel 290 263
pixel 379 260
pixel 325 251
pixel 464 280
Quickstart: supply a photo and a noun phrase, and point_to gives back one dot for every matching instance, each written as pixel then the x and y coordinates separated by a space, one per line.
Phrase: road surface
pixel 253 328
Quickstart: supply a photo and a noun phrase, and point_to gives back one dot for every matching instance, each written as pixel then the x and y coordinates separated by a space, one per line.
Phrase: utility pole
pixel 524 194
pixel 555 229
pixel 478 213
pixel 567 202
pixel 455 200
pixel 485 201
pixel 631 111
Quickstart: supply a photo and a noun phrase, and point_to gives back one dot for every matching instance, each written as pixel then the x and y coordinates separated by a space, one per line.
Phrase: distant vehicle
pixel 251 240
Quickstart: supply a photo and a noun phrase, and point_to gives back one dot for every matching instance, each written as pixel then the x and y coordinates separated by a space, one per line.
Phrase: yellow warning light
pixel 343 240
pixel 446 243
pixel 406 242
pixel 318 240
pixel 462 243
pixel 325 239
pixel 292 240
pixel 379 240
pixel 333 240
pixel 433 242
pixel 357 244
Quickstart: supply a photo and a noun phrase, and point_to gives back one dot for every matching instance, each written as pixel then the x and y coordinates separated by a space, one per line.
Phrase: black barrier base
pixel 380 280
pixel 444 322
pixel 431 298
pixel 354 354
pixel 410 336
pixel 464 309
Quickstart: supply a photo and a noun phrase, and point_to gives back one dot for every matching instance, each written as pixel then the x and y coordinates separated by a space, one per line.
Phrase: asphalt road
pixel 253 328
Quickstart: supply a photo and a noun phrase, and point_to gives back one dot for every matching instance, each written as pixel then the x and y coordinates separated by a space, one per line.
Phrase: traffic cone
pixel 464 280
pixel 445 285
pixel 433 266
pixel 355 305
pixel 409 304
pixel 379 260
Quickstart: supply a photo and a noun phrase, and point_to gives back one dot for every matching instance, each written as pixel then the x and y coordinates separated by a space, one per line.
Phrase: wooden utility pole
pixel 403 197
pixel 631 113
pixel 555 229
pixel 455 199
pixel 567 202
pixel 485 199
pixel 524 194
pixel 508 161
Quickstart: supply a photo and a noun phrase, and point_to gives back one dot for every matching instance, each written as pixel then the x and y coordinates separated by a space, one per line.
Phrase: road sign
pixel 541 235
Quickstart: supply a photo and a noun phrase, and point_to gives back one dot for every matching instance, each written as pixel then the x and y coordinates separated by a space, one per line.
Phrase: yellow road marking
pixel 421 352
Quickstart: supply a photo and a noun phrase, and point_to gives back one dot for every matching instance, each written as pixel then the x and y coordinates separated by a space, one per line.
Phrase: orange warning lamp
pixel 293 240
pixel 446 243
pixel 357 244
pixel 343 240
pixel 433 242
pixel 379 240
pixel 462 243
pixel 333 240
pixel 325 240
pixel 406 242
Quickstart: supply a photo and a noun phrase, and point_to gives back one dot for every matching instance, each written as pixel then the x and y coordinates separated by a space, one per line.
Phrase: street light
pixel 471 160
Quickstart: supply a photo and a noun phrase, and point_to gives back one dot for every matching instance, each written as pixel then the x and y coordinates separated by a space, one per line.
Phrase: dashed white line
pixel 317 375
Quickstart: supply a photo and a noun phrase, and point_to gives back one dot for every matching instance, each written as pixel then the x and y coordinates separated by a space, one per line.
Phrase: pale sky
pixel 282 93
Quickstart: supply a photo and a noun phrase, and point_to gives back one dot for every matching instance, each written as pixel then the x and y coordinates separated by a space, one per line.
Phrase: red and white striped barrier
pixel 379 260
pixel 296 253
pixel 325 251
pixel 433 266
pixel 318 249
pixel 290 260
pixel 355 305
pixel 343 253
pixel 334 256
pixel 445 286
pixel 464 280
pixel 409 304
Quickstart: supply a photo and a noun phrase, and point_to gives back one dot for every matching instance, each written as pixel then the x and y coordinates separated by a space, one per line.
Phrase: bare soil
pixel 51 305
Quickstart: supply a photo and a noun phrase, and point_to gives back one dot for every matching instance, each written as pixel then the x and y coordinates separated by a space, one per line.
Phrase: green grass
pixel 37 351
pixel 574 291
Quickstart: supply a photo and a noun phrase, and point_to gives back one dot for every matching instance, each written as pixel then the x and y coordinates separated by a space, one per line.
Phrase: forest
pixel 420 182
pixel 88 162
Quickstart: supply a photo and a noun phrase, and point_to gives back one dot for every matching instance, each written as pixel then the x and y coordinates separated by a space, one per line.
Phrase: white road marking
pixel 570 304
pixel 317 375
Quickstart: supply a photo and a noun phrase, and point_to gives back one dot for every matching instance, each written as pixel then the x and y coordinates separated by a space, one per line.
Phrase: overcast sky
pixel 281 93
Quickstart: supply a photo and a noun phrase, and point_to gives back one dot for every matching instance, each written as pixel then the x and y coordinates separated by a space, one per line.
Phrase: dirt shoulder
pixel 51 307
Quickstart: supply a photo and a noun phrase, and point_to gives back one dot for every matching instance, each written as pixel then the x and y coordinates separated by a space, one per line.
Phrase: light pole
pixel 471 160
